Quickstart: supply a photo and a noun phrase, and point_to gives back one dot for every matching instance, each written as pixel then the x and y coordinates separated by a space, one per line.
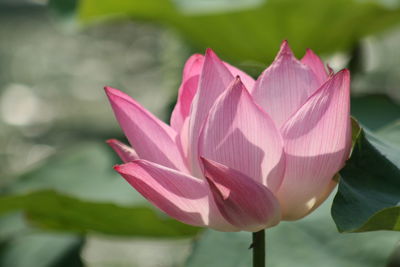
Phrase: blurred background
pixel 61 203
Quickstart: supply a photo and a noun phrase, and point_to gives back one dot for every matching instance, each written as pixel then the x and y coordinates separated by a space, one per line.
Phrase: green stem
pixel 258 247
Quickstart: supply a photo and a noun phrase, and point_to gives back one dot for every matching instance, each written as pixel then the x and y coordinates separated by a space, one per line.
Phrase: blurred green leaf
pixel 355 131
pixel 77 190
pixel 253 30
pixel 51 210
pixel 24 246
pixel 375 111
pixel 312 241
pixel 368 197
pixel 391 133
pixel 41 250
pixel 83 170
pixel 63 8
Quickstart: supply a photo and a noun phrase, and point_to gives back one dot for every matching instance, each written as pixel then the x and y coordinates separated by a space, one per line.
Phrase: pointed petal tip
pixel 115 94
pixel 209 52
pixel 209 167
pixel 117 167
pixel 108 89
pixel 340 76
pixel 207 162
pixel 237 86
pixel 346 75
pixel 211 55
pixel 310 52
pixel 237 81
pixel 111 141
pixel 110 92
pixel 343 74
pixel 285 49
pixel 125 167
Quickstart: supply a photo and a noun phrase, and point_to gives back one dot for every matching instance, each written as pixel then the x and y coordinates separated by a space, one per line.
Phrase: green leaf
pixel 355 131
pixel 253 30
pixel 23 246
pixel 312 241
pixel 77 190
pixel 63 8
pixel 385 111
pixel 51 210
pixel 41 250
pixel 84 171
pixel 391 133
pixel 369 191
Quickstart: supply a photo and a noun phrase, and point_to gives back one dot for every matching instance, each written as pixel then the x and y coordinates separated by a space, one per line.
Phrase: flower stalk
pixel 258 247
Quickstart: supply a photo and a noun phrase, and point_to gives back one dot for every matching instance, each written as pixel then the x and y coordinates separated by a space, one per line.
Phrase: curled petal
pixel 126 153
pixel 214 79
pixel 316 65
pixel 243 202
pixel 187 90
pixel 238 134
pixel 152 139
pixel 183 137
pixel 181 196
pixel 317 143
pixel 284 86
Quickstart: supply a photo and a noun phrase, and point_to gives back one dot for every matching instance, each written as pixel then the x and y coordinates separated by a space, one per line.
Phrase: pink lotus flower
pixel 240 154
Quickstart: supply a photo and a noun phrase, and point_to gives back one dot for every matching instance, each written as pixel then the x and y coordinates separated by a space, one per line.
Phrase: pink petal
pixel 126 153
pixel 247 80
pixel 149 137
pixel 181 196
pixel 317 143
pixel 284 86
pixel 316 65
pixel 238 134
pixel 183 137
pixel 243 202
pixel 215 78
pixel 115 93
pixel 324 194
pixel 187 90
